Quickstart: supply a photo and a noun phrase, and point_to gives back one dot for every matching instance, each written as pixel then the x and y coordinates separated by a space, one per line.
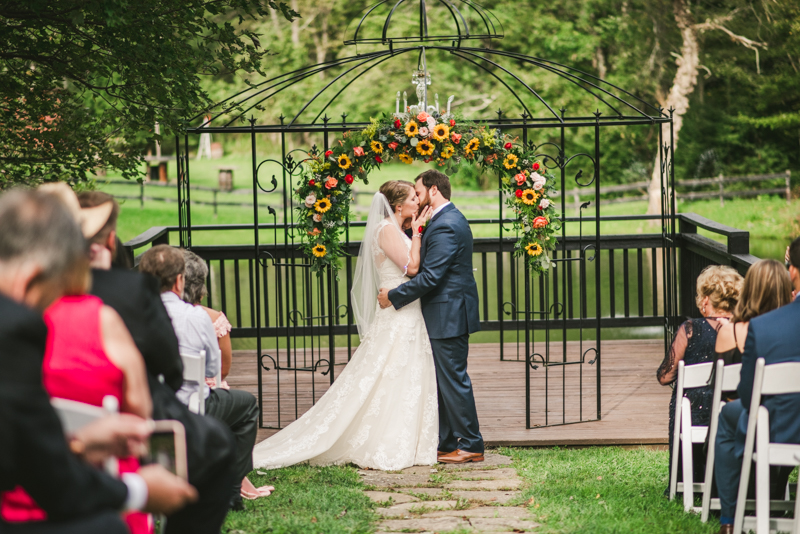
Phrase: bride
pixel 382 411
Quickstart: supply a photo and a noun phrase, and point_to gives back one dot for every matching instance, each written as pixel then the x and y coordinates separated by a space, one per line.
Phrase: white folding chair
pixel 775 379
pixel 727 380
pixel 684 434
pixel 194 370
pixel 75 415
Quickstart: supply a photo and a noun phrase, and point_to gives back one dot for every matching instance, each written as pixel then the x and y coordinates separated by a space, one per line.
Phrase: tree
pixel 84 81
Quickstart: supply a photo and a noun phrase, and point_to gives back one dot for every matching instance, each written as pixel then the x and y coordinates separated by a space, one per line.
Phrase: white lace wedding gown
pixel 382 411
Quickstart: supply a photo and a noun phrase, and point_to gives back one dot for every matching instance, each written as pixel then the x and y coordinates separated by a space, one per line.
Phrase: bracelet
pixel 416 235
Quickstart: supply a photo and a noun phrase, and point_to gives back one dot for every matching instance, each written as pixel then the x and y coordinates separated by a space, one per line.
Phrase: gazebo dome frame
pixel 615 107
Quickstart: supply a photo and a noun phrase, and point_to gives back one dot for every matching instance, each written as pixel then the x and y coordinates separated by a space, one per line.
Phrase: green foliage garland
pixel 325 191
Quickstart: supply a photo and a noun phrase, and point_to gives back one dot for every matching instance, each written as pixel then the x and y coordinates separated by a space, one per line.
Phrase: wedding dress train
pixel 382 410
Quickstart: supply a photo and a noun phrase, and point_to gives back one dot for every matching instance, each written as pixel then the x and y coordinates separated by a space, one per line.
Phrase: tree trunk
pixel 678 98
pixel 295 26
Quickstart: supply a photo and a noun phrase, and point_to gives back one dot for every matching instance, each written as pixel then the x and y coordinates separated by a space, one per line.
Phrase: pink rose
pixel 317 217
pixel 456 138
pixel 422 117
pixel 423 132
pixel 311 200
pixel 539 222
pixel 331 182
pixel 358 151
pixel 537 186
pixel 431 123
pixel 544 204
pixel 520 178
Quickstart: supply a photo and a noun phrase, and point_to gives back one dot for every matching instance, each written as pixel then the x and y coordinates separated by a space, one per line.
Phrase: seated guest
pixel 717 292
pixel 774 336
pixel 766 287
pixel 193 292
pixel 40 244
pixel 135 296
pixel 195 331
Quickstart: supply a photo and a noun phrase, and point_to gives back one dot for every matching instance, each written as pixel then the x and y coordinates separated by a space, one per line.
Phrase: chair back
pixel 696 375
pixel 75 415
pixel 731 374
pixel 194 371
pixel 781 378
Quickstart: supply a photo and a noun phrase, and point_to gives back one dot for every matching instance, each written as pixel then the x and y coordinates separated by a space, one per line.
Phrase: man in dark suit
pixel 136 297
pixel 774 336
pixel 449 298
pixel 39 243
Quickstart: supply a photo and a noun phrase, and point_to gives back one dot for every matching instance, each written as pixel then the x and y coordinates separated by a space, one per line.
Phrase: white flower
pixel 544 204
pixel 311 200
pixel 423 132
pixel 317 217
pixel 431 122
pixel 538 180
pixel 538 185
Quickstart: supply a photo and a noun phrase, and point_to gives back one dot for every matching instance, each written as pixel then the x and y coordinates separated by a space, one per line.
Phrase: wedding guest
pixel 717 292
pixel 766 287
pixel 135 296
pixel 39 245
pixel 195 331
pixel 774 336
pixel 193 292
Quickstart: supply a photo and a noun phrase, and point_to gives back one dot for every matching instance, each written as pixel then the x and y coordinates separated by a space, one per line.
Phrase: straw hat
pixel 91 219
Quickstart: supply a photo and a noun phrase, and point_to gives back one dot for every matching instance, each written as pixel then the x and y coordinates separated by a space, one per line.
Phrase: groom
pixel 446 286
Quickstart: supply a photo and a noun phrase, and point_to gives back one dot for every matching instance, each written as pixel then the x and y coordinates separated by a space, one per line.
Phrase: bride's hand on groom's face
pixel 421 218
pixel 383 298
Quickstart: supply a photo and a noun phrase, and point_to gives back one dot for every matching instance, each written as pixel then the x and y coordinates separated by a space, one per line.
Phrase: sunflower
pixel 405 158
pixel 320 250
pixel 511 161
pixel 322 205
pixel 440 132
pixel 376 147
pixel 529 197
pixel 412 129
pixel 534 249
pixel 344 161
pixel 448 151
pixel 425 147
pixel 473 145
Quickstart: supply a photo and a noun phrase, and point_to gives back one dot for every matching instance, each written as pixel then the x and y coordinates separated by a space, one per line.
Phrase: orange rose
pixel 456 138
pixel 539 222
pixel 520 178
pixel 331 182
pixel 422 117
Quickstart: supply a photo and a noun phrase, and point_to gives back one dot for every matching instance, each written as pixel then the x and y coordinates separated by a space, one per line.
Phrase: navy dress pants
pixel 458 418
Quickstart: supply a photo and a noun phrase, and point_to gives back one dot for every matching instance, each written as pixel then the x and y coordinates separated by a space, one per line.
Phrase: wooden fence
pixel 691 189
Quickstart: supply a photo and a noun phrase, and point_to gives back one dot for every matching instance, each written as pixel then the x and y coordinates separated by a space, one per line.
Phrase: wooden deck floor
pixel 634 406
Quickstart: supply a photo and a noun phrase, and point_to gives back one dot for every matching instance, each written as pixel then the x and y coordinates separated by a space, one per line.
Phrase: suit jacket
pixel 774 336
pixel 137 299
pixel 33 451
pixel 445 283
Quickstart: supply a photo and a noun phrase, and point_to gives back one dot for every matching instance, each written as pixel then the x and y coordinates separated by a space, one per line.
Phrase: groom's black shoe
pixel 461 457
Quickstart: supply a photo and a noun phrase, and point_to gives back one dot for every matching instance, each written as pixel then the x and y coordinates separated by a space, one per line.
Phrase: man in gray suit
pixel 449 297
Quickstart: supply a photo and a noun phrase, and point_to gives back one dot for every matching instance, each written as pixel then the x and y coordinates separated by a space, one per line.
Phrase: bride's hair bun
pixel 396 191
pixel 722 285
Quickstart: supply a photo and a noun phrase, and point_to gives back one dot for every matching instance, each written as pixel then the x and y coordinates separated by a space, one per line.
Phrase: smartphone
pixel 168 447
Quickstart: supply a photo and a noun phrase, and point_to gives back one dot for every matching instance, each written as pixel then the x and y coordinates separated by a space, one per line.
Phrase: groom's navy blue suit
pixel 446 287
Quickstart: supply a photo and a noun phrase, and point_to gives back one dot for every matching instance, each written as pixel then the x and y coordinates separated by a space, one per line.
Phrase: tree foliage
pixel 84 81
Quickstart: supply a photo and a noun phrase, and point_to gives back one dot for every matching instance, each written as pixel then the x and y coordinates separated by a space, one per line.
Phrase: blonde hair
pixel 722 285
pixel 767 286
pixel 396 192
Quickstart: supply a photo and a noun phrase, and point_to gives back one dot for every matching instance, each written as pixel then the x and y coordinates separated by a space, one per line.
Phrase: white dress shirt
pixel 195 332
pixel 440 208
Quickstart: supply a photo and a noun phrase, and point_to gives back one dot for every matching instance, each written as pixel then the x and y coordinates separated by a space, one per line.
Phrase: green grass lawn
pixel 596 489
pixel 307 500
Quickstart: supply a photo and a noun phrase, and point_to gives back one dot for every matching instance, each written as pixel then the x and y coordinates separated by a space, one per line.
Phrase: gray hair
pixel 37 227
pixel 195 277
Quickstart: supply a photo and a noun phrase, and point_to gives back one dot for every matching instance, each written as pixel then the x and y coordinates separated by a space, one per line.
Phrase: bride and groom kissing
pixel 405 397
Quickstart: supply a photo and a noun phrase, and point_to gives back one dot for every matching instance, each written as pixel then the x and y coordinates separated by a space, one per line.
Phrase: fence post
pixel 721 187
pixel 788 186
pixel 141 194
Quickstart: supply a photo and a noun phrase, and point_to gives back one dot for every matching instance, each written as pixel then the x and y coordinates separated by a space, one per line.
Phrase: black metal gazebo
pixel 298 319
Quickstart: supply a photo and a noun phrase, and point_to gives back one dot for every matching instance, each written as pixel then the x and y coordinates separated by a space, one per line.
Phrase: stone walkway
pixel 468 498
